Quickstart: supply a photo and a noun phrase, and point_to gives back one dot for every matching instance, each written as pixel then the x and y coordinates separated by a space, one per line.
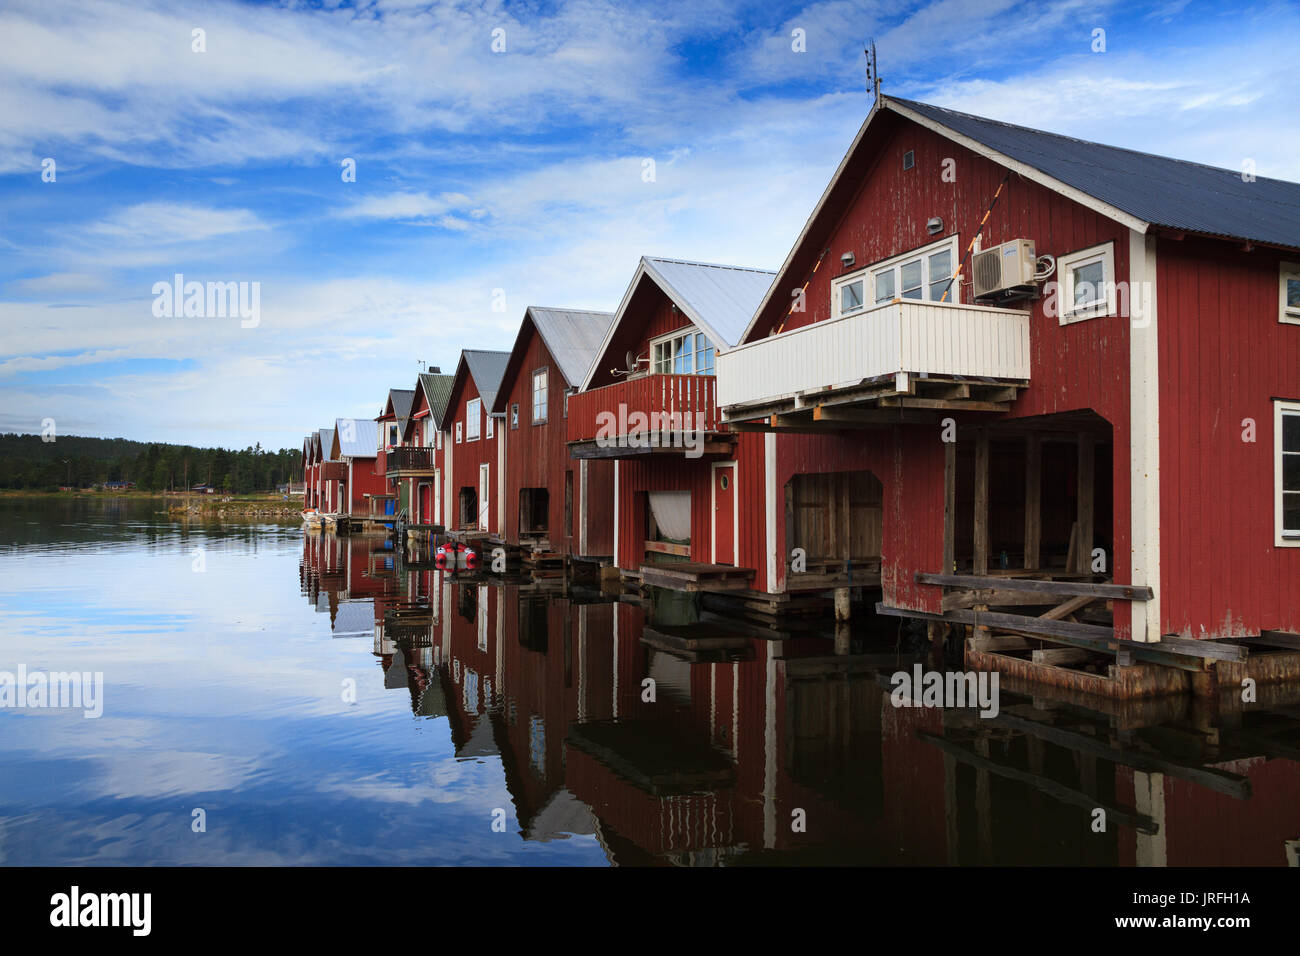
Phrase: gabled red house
pixel 328 474
pixel 356 448
pixel 392 423
pixel 686 487
pixel 1108 391
pixel 552 501
pixel 474 445
pixel 421 461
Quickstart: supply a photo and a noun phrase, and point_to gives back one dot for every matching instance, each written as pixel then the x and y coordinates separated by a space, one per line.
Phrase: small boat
pixel 311 517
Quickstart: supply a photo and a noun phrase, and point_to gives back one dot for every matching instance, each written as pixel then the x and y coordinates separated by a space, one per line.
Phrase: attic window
pixel 1087 283
pixel 1289 294
pixel 909 159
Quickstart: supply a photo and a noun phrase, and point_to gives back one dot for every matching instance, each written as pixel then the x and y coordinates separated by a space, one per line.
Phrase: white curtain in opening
pixel 672 513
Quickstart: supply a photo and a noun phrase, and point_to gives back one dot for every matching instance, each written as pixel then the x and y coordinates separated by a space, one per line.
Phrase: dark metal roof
pixel 401 399
pixel 487 368
pixel 1166 192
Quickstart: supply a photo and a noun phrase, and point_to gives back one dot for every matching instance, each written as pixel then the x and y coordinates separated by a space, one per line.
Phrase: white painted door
pixel 437 498
pixel 484 495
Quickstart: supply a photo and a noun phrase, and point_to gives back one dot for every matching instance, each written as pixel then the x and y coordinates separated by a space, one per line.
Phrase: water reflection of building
pixel 749 736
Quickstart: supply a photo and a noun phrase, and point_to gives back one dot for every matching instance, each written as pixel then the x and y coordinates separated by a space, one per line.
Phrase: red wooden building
pixel 552 501
pixel 474 445
pixel 421 460
pixel 356 449
pixel 325 475
pixel 687 488
pixel 392 422
pixel 1108 391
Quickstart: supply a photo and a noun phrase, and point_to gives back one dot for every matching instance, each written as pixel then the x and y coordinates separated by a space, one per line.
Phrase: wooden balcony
pixel 409 462
pixel 904 358
pixel 648 415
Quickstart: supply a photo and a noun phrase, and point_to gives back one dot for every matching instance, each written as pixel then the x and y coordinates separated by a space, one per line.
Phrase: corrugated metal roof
pixel 400 400
pixel 572 336
pixel 487 368
pixel 357 437
pixel 326 438
pixel 1156 189
pixel 437 391
pixel 720 299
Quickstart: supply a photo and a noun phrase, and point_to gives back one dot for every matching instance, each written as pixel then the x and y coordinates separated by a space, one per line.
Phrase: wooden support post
pixel 949 506
pixel 982 501
pixel 1033 500
pixel 842 604
pixel 1087 491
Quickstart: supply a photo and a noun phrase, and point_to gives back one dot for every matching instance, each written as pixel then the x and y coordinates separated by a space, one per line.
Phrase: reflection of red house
pixel 551 499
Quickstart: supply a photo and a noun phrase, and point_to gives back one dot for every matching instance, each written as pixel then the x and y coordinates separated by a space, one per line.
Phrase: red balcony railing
pixel 669 403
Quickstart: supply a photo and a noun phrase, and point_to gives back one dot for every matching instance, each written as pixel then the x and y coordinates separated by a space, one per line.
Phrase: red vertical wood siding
pixel 537 456
pixel 468 455
pixel 1224 357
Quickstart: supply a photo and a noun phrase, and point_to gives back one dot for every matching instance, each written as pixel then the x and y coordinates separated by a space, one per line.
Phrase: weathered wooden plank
pixel 1085 501
pixel 1211 650
pixel 1068 608
pixel 981 501
pixel 949 506
pixel 1033 500
pixel 1119 592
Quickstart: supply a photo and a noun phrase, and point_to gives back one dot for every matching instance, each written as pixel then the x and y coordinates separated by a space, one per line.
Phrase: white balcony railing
pixel 900 336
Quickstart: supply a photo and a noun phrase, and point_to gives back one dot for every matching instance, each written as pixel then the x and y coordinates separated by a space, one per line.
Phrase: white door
pixel 437 498
pixel 484 496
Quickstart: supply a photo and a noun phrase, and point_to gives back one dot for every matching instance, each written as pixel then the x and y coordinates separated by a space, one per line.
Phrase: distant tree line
pixel 28 462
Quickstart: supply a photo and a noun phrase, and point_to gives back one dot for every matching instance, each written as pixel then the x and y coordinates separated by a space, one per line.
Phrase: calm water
pixel 321 704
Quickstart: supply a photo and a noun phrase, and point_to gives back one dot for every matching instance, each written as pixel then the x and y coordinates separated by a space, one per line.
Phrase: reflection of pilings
pixel 1064 794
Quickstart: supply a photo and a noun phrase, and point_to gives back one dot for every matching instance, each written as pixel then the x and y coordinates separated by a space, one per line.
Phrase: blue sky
pixel 479 170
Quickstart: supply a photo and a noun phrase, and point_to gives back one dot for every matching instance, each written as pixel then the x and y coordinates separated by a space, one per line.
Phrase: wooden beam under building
pixel 1033 500
pixel 949 506
pixel 1086 500
pixel 981 501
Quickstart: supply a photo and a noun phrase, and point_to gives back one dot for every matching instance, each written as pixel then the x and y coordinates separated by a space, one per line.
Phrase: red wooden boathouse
pixel 473 445
pixel 552 501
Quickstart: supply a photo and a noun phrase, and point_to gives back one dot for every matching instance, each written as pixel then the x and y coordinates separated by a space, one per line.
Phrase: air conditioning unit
pixel 1003 267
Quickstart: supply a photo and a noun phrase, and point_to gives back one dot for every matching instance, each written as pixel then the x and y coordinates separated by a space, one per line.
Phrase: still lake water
pixel 323 705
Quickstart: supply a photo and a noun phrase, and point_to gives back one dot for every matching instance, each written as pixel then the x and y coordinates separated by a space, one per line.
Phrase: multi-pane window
pixel 473 418
pixel 540 395
pixel 688 353
pixel 1287 444
pixel 921 274
pixel 1289 302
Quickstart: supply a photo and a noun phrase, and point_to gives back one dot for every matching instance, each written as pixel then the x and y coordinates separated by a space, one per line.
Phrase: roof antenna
pixel 873 75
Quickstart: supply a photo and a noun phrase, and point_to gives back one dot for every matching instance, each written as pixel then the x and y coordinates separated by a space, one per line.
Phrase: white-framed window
pixel 1288 304
pixel 437 435
pixel 541 395
pixel 1086 283
pixel 682 353
pixel 473 418
pixel 919 274
pixel 458 432
pixel 1286 453
pixel 393 437
pixel 490 428
pixel 514 414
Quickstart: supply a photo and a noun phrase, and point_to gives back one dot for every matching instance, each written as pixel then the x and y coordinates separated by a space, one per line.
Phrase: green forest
pixel 32 463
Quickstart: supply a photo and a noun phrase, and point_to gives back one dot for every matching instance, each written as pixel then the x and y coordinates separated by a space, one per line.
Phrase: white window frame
pixel 473 419
pixel 514 414
pixel 437 433
pixel 676 340
pixel 544 392
pixel 867 276
pixel 394 439
pixel 1287 270
pixel 459 432
pixel 490 430
pixel 1065 266
pixel 1282 409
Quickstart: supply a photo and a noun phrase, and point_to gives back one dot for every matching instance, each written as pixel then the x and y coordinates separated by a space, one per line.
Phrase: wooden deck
pixel 696 576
